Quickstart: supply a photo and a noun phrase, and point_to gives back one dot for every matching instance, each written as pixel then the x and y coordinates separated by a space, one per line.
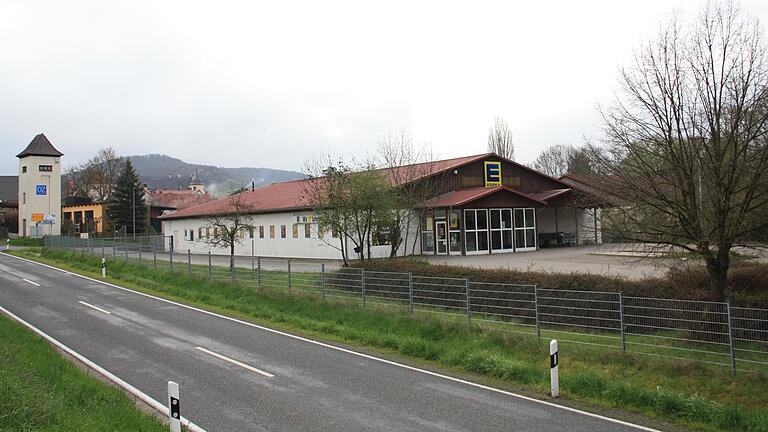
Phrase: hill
pixel 166 172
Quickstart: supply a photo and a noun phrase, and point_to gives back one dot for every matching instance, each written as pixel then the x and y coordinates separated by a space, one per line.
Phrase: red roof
pixel 549 194
pixel 289 196
pixel 178 199
pixel 465 196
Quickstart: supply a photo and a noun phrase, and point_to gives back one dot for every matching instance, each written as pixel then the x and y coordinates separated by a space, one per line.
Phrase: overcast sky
pixel 272 83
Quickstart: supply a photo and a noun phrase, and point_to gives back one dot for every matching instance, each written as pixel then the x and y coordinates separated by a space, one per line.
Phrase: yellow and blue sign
pixel 492 173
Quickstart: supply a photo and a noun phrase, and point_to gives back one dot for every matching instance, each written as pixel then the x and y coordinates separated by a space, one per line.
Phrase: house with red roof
pixel 480 204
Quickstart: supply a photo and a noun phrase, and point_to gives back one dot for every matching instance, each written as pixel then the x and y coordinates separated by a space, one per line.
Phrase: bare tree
pixel 104 170
pixel 406 168
pixel 95 178
pixel 553 161
pixel 324 191
pixel 500 139
pixel 229 224
pixel 686 140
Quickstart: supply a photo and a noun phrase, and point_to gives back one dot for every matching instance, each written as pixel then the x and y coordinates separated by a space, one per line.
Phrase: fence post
pixel 730 338
pixel 189 261
pixel 126 254
pixel 362 286
pixel 322 279
pixel 209 264
pixel 469 306
pixel 154 257
pixel 174 411
pixel 170 259
pixel 536 305
pixel 621 323
pixel 258 270
pixel 114 247
pixel 88 245
pixel 410 293
pixel 289 276
pixel 141 246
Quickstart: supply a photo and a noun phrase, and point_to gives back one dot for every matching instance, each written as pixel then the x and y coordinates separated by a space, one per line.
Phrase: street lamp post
pixel 133 205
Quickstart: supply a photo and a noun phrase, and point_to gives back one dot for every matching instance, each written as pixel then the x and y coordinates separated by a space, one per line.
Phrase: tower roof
pixel 40 146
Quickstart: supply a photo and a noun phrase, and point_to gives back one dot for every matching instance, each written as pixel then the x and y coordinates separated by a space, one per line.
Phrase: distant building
pixel 39 190
pixel 180 198
pixel 89 217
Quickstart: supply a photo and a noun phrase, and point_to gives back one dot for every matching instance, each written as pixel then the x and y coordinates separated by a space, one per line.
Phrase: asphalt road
pixel 146 342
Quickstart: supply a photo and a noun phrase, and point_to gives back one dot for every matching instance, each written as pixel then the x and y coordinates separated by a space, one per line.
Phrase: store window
pixel 454 231
pixel 261 231
pixel 307 230
pixel 283 231
pixel 45 168
pixel 381 236
pixel 296 230
pixel 427 231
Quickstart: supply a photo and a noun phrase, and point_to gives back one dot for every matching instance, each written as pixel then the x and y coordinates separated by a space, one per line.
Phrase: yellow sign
pixel 492 173
pixel 38 217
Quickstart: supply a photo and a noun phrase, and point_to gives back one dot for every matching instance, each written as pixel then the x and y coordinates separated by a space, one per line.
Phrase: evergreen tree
pixel 127 198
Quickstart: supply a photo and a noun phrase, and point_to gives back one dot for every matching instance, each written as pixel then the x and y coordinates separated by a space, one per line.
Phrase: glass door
pixel 501 230
pixel 441 237
pixel 525 229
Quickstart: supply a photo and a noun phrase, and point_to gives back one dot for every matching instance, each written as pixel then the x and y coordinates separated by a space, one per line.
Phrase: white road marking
pixel 161 408
pixel 235 362
pixel 33 283
pixel 355 353
pixel 95 307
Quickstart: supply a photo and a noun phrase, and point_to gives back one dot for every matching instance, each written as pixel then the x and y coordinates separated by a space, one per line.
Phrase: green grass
pixel 683 392
pixel 23 242
pixel 41 391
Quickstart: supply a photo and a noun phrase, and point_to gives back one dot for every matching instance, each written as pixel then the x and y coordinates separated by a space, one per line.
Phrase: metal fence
pixel 707 332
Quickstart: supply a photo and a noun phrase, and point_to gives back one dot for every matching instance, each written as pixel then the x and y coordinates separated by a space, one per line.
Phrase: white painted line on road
pixel 105 373
pixel 370 357
pixel 95 307
pixel 33 283
pixel 235 362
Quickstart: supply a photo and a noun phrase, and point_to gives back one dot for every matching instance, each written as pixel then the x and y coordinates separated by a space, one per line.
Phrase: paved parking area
pixel 609 259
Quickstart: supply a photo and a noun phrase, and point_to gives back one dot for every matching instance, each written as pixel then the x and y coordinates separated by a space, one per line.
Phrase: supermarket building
pixel 481 204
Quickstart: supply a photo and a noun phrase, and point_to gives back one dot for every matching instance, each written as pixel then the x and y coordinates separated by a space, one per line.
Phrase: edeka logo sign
pixel 492 174
pixel 41 189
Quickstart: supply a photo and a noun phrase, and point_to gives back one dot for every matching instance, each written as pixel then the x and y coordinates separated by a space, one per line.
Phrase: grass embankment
pixel 682 392
pixel 41 391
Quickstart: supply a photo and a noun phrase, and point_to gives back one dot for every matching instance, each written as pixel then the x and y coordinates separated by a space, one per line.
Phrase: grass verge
pixel 686 393
pixel 41 391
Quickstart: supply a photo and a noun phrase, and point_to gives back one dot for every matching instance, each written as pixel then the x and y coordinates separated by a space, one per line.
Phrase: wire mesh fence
pixel 708 332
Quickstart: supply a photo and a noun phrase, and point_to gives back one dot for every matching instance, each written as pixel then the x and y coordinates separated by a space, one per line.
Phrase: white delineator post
pixel 174 413
pixel 103 267
pixel 553 368
pixel 7 244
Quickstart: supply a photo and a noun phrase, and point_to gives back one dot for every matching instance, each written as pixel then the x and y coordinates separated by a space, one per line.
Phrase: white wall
pixel 566 221
pixel 290 247
pixel 48 204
